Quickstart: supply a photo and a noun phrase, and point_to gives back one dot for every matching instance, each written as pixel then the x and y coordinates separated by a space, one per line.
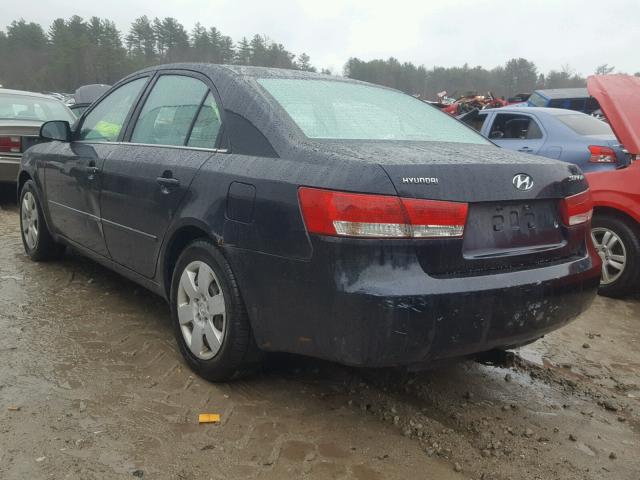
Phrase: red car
pixel 616 193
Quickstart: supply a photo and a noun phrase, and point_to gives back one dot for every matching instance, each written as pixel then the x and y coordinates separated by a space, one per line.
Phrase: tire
pixel 199 314
pixel 623 240
pixel 36 238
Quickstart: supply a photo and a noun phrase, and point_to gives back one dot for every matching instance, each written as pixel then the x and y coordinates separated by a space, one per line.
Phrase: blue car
pixel 577 99
pixel 565 135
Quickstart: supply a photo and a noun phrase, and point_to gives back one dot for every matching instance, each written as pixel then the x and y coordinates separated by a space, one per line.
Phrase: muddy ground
pixel 92 386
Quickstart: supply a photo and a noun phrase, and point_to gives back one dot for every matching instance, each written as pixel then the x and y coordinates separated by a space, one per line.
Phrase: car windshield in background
pixel 537 100
pixel 585 125
pixel 24 107
pixel 326 109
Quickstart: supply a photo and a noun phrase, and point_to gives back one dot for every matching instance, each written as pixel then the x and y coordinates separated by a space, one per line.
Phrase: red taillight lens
pixel 577 208
pixel 327 212
pixel 10 144
pixel 602 154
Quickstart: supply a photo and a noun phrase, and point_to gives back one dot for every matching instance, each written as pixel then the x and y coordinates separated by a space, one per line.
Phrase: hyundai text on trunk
pixel 288 211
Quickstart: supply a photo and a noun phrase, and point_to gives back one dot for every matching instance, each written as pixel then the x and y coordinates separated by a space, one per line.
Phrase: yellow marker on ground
pixel 209 418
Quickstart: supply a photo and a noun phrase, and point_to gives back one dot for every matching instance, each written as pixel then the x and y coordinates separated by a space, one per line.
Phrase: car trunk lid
pixel 514 218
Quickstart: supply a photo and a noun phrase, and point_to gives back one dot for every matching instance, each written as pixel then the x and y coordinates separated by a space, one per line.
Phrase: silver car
pixel 21 114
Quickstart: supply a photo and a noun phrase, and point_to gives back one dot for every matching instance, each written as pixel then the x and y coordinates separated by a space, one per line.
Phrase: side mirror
pixel 56 130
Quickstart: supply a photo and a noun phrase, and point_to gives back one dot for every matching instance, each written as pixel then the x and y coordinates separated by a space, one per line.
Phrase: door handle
pixel 525 149
pixel 168 182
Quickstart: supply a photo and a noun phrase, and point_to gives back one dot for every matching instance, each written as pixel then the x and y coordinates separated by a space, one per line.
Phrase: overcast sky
pixel 580 33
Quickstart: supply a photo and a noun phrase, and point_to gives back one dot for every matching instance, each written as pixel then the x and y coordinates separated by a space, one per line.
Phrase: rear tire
pixel 36 238
pixel 210 321
pixel 617 239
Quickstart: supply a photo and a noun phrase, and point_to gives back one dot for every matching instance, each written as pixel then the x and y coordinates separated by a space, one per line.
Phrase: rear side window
pixel 585 125
pixel 169 111
pixel 515 127
pixel 328 109
pixel 207 125
pixel 106 120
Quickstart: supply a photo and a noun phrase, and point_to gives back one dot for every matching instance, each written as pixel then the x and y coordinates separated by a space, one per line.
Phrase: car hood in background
pixel 619 98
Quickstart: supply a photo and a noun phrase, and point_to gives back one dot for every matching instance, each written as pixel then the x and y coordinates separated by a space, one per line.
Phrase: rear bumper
pixel 377 307
pixel 9 168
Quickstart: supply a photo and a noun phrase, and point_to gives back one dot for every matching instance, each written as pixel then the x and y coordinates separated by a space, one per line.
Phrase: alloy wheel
pixel 201 310
pixel 612 251
pixel 30 220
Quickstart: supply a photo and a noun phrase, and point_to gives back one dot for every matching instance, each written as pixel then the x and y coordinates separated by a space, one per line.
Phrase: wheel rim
pixel 201 310
pixel 612 251
pixel 30 220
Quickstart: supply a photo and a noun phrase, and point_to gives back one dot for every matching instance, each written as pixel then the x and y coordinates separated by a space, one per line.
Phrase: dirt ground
pixel 92 386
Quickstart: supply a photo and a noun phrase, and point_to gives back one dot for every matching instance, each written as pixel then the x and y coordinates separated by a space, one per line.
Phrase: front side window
pixel 169 111
pixel 105 122
pixel 326 109
pixel 514 127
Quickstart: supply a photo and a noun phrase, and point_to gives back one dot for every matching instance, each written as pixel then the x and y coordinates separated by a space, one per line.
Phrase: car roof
pixel 25 93
pixel 552 93
pixel 239 72
pixel 538 110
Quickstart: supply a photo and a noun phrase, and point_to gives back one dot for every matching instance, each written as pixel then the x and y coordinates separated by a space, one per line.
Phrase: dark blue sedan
pixel 554 133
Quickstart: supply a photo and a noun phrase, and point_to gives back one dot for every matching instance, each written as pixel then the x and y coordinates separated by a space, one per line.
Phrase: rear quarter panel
pixel 618 189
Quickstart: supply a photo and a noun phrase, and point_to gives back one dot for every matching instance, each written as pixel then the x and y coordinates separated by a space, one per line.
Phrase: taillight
pixel 602 154
pixel 328 212
pixel 577 209
pixel 10 144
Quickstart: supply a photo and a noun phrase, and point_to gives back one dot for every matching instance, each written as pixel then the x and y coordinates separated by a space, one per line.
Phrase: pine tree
pixel 243 52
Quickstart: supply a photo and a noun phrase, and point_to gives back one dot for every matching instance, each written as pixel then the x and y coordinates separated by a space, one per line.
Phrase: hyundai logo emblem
pixel 522 181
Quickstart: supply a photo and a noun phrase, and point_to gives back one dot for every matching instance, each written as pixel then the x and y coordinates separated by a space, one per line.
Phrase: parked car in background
pixel 616 222
pixel 577 99
pixel 290 211
pixel 21 115
pixel 565 135
pixel 85 96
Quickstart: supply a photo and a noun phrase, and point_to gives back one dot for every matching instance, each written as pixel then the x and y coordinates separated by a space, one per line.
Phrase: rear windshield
pixel 585 125
pixel 328 109
pixel 24 107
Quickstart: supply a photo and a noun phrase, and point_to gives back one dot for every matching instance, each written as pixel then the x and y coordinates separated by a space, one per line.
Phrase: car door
pixel 144 180
pixel 72 172
pixel 517 131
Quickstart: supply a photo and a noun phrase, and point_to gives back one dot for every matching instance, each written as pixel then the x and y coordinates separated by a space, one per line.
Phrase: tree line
pixel 517 75
pixel 75 52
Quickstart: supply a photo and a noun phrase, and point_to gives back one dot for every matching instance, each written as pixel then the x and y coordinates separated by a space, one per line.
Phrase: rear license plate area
pixel 512 228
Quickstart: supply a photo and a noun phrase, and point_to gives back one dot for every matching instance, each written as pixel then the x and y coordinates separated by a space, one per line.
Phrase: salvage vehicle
pixel 616 194
pixel 577 99
pixel 21 115
pixel 280 210
pixel 552 132
pixel 85 96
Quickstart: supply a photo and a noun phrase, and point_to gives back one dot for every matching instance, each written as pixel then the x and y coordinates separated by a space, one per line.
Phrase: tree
pixel 519 75
pixel 304 63
pixel 604 69
pixel 172 40
pixel 141 42
pixel 243 52
pixel 25 48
